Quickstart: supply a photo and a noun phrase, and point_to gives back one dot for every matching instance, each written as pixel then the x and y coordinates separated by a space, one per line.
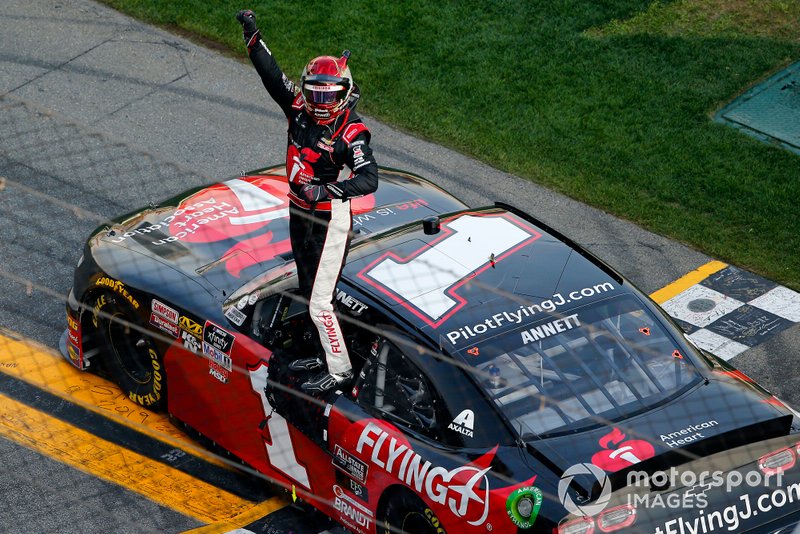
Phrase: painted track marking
pixel 113 463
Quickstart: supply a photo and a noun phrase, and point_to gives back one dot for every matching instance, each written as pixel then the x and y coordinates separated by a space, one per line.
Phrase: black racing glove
pixel 334 190
pixel 314 193
pixel 250 31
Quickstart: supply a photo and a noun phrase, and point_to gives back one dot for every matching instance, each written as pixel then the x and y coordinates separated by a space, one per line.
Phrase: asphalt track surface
pixel 100 114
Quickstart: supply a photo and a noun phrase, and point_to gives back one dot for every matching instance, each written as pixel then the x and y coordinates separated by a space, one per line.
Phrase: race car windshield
pixel 602 362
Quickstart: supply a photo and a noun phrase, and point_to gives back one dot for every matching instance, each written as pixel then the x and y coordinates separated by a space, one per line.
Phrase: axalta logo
pixel 464 423
pixel 464 490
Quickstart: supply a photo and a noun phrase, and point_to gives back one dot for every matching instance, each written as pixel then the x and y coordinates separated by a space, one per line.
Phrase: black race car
pixel 506 378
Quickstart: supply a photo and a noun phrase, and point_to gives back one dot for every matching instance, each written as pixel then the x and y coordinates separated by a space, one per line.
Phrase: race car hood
pixel 735 413
pixel 228 232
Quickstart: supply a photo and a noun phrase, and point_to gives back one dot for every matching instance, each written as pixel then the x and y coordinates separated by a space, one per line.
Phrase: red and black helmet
pixel 326 84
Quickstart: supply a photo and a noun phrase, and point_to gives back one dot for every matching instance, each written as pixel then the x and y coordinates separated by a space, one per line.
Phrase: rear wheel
pixel 405 512
pixel 131 354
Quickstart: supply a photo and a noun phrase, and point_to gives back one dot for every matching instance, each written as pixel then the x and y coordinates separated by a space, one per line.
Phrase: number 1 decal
pixel 281 451
pixel 425 282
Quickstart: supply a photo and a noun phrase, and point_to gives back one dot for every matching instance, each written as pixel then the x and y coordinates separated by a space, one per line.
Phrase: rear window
pixel 602 362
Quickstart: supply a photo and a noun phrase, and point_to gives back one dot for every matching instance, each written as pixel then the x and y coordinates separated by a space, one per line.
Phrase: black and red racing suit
pixel 320 233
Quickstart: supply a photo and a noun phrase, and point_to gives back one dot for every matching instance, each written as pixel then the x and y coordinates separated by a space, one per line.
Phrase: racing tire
pixel 405 512
pixel 131 355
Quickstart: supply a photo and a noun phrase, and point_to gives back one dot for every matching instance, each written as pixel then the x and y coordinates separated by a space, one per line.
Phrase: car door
pixel 390 436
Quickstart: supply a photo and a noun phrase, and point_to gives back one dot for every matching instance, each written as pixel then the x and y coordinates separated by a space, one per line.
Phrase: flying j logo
pixel 464 490
pixel 426 281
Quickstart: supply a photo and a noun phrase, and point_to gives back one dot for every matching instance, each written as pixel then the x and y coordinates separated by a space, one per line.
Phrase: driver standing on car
pixel 328 162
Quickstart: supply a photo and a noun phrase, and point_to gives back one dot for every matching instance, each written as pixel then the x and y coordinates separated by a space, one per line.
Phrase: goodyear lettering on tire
pixel 151 398
pixel 434 521
pixel 99 304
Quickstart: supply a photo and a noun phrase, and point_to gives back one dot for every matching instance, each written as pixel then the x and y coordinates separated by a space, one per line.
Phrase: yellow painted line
pixel 113 463
pixel 46 369
pixel 688 280
pixel 257 512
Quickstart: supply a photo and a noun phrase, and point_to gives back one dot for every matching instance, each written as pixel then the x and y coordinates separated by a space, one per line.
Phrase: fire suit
pixel 317 154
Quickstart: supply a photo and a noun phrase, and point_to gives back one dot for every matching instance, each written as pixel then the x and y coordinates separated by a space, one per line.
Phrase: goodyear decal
pixel 117 287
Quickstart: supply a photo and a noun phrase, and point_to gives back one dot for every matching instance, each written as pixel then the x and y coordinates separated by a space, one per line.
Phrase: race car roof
pixel 230 232
pixel 479 273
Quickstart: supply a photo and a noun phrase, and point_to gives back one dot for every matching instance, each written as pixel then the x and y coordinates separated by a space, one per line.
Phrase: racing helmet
pixel 326 83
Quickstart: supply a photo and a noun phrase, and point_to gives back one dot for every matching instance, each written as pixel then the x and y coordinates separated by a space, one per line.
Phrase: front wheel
pixel 405 512
pixel 131 355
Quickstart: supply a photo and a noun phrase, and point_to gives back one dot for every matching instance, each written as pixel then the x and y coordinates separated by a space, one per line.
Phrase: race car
pixel 492 355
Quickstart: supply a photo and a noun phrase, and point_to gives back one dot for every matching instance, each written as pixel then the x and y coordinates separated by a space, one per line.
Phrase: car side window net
pixel 394 387
pixel 603 362
pixel 280 321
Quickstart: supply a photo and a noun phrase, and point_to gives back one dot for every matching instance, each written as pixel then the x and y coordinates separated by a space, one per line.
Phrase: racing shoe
pixel 325 381
pixel 306 364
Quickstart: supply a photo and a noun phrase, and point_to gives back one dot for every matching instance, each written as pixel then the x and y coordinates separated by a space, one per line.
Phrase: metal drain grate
pixel 769 111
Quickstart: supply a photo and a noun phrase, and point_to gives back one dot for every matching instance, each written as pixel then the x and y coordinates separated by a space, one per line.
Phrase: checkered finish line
pixel 726 310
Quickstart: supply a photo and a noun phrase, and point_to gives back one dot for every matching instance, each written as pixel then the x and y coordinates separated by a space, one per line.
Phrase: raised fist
pixel 248 21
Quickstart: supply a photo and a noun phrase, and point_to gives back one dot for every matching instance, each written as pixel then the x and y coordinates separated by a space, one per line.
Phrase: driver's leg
pixel 334 252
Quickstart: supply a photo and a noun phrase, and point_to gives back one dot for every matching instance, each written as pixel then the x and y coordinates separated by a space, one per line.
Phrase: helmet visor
pixel 324 93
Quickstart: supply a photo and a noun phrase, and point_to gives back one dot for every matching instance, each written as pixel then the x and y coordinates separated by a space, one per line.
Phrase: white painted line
pixel 718 345
pixel 687 306
pixel 780 301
